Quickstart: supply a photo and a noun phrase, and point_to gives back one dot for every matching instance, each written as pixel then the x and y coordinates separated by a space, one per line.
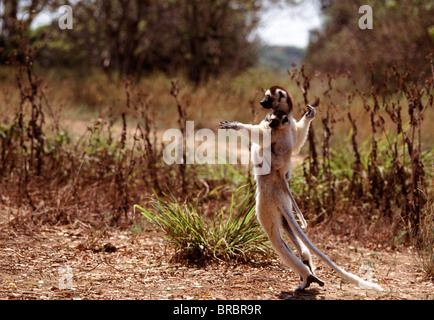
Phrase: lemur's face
pixel 278 99
pixel 276 119
pixel 267 102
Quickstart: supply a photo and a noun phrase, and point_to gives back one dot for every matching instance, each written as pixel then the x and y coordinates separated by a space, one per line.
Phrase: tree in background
pixel 203 37
pixel 403 33
pixel 15 19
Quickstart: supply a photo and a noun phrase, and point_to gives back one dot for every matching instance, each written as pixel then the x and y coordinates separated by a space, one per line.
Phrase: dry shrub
pixel 379 184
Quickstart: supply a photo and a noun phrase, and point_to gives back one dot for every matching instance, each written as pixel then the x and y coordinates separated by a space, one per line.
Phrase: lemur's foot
pixel 310 279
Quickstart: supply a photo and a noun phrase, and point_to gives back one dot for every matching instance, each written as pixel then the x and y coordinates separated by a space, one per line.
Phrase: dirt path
pixel 33 266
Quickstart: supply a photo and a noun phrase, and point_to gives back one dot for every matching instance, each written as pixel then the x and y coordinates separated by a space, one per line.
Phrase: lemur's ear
pixel 281 95
pixel 285 119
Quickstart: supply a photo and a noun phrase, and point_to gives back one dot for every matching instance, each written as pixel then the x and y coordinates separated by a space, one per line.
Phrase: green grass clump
pixel 233 236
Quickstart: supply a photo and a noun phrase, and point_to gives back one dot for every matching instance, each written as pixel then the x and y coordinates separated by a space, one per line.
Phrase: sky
pixel 280 25
pixel 289 25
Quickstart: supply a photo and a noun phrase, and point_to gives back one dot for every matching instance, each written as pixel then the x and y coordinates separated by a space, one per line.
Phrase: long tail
pixel 346 275
pixel 297 209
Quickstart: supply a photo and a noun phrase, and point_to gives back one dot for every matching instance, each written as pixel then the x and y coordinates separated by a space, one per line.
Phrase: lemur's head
pixel 278 99
pixel 277 119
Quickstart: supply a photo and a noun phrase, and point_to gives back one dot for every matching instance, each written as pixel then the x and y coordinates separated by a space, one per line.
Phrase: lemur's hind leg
pixel 304 252
pixel 272 229
pixel 305 256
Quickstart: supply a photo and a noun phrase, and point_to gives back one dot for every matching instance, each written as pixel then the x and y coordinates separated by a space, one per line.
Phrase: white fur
pixel 274 208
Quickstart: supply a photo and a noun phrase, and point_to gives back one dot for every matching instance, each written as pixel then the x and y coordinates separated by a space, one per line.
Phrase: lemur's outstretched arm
pixel 301 129
pixel 248 128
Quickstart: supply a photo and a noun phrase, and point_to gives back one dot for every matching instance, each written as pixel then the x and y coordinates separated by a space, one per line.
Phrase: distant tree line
pixel 203 37
pixel 280 58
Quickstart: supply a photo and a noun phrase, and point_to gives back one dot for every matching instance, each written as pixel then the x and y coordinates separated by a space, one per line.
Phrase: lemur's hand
pixel 310 114
pixel 228 125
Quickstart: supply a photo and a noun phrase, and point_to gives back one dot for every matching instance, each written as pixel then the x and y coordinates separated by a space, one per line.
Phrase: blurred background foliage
pixel 403 34
pixel 201 38
pixel 207 38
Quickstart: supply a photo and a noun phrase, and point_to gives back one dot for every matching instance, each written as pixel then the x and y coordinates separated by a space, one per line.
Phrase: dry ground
pixel 139 266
